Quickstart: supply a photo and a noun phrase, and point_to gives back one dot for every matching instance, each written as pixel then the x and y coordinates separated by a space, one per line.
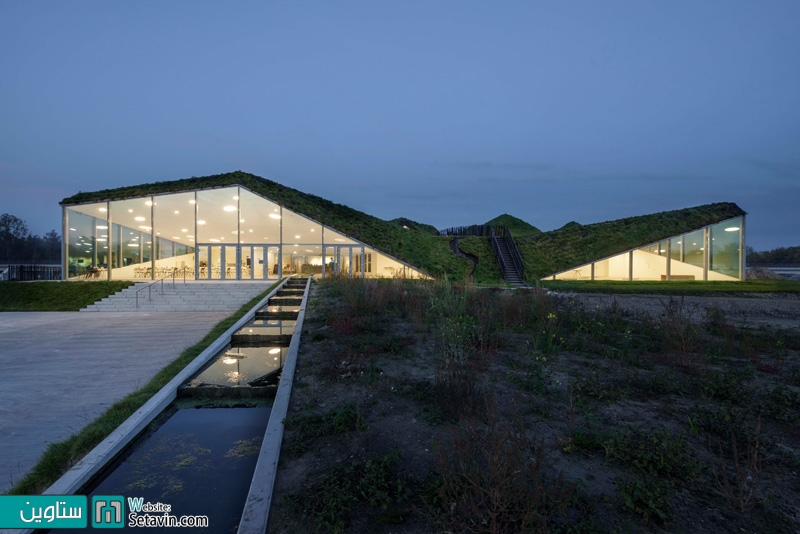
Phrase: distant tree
pixel 776 256
pixel 13 232
pixel 17 244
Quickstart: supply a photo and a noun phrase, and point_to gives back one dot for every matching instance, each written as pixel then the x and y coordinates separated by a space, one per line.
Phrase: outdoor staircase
pixel 182 297
pixel 510 273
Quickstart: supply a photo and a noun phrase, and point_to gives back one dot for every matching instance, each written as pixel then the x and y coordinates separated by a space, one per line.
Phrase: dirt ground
pixel 781 311
pixel 643 432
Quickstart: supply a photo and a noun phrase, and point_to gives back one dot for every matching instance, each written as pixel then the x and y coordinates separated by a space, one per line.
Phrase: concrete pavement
pixel 61 370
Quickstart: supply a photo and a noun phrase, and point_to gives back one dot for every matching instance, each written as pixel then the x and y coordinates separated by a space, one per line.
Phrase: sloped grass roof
pixel 518 227
pixel 420 249
pixel 575 244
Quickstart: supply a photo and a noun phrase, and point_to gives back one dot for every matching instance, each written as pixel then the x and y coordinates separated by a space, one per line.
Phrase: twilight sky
pixel 446 112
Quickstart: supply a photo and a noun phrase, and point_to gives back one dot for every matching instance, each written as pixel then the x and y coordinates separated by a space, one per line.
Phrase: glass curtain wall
pixel 87 242
pixel 711 253
pixel 216 234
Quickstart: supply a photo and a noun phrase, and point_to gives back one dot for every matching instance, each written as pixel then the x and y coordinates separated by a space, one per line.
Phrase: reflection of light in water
pixel 236 377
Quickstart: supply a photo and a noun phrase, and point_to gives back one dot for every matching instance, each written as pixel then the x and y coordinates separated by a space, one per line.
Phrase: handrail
pixel 515 254
pixel 497 254
pixel 480 230
pixel 149 286
pixel 513 251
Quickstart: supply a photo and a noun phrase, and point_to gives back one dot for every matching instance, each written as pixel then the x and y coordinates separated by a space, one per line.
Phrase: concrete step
pixel 196 296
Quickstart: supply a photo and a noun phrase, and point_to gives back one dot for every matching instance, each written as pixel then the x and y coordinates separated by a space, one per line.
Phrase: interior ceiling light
pixel 191 236
pixel 148 228
pixel 297 237
pixel 73 230
pixel 148 203
pixel 138 218
pixel 103 209
pixel 214 240
pixel 732 229
pixel 102 227
pixel 274 215
pixel 177 212
pixel 229 208
pixel 312 229
pixel 241 220
pixel 184 229
pixel 193 201
pixel 274 351
pixel 130 211
pixel 236 197
pixel 174 237
pixel 251 230
pixel 338 239
pixel 101 239
pixel 201 223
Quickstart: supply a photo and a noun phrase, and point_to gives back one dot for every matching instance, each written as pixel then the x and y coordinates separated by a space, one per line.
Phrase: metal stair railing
pixel 497 253
pixel 516 257
pixel 149 286
pixel 513 251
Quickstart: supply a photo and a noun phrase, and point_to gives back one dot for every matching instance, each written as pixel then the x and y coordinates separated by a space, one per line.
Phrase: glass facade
pixel 711 253
pixel 228 233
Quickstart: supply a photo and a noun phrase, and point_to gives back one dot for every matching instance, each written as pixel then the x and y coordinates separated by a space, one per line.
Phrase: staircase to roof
pixel 194 296
pixel 505 257
pixel 505 249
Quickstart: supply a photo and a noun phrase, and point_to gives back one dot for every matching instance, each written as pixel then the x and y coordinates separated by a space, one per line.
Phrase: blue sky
pixel 448 113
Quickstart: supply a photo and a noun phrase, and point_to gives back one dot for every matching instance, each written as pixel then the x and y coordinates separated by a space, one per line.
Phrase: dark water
pixel 200 462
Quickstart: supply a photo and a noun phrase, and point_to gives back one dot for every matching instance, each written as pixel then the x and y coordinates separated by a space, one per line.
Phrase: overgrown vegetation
pixel 522 411
pixel 60 457
pixel 55 296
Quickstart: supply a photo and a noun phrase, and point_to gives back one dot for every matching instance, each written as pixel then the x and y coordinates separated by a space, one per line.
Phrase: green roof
pixel 544 253
pixel 418 248
pixel 518 227
pixel 575 244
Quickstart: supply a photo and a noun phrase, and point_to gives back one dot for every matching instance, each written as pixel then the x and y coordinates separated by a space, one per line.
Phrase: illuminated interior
pixel 712 253
pixel 226 233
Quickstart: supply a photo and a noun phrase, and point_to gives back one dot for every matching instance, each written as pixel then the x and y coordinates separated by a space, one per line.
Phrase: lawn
pixel 55 296
pixel 674 287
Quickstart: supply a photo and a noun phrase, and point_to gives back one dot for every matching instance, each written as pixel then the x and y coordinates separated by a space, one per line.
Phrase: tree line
pixel 776 256
pixel 18 245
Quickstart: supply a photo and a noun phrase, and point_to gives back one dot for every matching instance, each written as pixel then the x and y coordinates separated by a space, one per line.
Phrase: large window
pixel 224 233
pixel 726 247
pixel 682 257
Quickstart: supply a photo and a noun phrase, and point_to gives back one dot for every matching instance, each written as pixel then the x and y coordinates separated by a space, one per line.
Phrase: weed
pixel 783 405
pixel 648 496
pixel 730 386
pixel 491 479
pixel 653 453
pixel 331 499
pixel 306 429
pixel 679 330
pixel 742 484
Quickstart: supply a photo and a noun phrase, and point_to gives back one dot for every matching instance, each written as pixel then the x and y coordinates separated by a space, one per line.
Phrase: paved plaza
pixel 61 370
